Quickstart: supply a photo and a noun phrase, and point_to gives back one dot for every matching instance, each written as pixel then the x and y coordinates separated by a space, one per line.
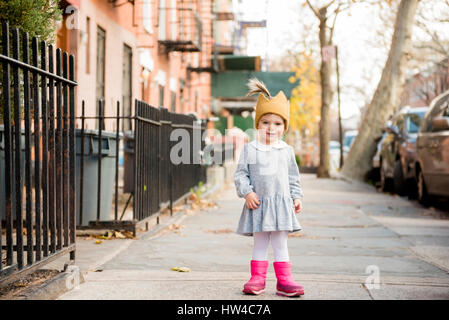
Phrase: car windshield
pixel 334 145
pixel 348 141
pixel 413 121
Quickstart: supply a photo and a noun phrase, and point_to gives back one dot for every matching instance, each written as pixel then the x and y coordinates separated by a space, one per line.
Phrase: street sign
pixel 329 52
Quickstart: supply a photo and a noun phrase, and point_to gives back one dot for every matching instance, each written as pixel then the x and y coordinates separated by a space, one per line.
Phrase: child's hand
pixel 298 205
pixel 252 201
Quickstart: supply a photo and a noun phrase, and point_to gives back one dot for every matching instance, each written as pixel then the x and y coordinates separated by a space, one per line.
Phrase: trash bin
pixel 129 148
pixel 90 176
pixel 2 170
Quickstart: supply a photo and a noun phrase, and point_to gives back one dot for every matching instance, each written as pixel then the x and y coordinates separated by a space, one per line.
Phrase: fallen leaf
pixel 98 242
pixel 193 197
pixel 107 236
pixel 181 269
pixel 175 226
pixel 177 208
pixel 119 235
pixel 220 231
pixel 129 234
pixel 296 235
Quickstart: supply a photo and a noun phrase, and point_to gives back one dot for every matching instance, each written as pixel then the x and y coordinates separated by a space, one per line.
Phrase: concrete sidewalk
pixel 353 238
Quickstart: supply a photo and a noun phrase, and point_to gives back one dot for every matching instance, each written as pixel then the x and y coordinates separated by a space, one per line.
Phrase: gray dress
pixel 272 173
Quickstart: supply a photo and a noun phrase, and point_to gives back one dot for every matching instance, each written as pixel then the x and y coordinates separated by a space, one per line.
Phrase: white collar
pixel 265 147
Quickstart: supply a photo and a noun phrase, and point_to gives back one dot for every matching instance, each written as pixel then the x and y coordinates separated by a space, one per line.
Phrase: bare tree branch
pixel 438 50
pixel 328 5
pixel 333 23
pixel 313 9
pixel 433 35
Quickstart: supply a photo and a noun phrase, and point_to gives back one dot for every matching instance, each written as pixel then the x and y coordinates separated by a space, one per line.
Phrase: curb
pixel 67 280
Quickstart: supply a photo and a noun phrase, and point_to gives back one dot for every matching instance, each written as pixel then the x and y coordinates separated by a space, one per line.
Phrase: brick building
pixel 158 51
pixel 423 87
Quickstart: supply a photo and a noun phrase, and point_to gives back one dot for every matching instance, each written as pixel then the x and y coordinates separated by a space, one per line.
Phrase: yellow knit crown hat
pixel 278 104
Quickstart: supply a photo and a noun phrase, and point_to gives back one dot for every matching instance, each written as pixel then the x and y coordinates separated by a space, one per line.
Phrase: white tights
pixel 278 242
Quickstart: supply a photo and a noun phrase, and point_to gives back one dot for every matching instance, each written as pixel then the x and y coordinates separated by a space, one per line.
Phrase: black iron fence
pixel 167 163
pixel 37 172
pixel 154 176
pixel 55 178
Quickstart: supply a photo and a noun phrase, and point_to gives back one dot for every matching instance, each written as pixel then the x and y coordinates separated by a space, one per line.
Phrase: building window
pixel 196 101
pixel 181 101
pixel 88 45
pixel 127 87
pixel 101 55
pixel 147 16
pixel 161 96
pixel 161 20
pixel 173 21
pixel 173 101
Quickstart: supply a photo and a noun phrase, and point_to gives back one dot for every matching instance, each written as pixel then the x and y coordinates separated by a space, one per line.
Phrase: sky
pixel 361 53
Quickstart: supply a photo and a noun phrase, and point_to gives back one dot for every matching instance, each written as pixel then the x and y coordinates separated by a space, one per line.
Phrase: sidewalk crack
pixel 368 291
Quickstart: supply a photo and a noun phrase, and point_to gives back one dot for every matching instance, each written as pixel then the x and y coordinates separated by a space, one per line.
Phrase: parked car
pixel 334 156
pixel 376 158
pixel 432 163
pixel 398 150
pixel 348 140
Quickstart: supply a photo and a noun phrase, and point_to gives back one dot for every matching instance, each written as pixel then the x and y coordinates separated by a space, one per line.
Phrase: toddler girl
pixel 267 176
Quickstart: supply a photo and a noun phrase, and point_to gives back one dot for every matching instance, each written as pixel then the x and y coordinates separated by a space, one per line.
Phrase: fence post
pixel 17 151
pixel 65 154
pixel 7 147
pixel 72 157
pixel 45 161
pixel 116 161
pixel 52 155
pixel 100 142
pixel 59 182
pixel 37 185
pixel 135 199
pixel 82 164
pixel 27 116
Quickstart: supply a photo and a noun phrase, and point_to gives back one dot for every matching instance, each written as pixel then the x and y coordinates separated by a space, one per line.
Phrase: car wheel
pixel 384 181
pixel 399 183
pixel 422 195
pixel 412 188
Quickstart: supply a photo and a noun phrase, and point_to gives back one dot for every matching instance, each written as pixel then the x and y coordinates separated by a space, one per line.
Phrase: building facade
pixel 158 51
pixel 421 88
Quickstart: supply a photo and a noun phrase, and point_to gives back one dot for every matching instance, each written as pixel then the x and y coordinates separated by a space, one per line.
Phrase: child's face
pixel 270 128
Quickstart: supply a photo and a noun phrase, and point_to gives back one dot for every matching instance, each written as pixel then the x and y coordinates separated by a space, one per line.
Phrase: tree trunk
pixel 326 98
pixel 386 97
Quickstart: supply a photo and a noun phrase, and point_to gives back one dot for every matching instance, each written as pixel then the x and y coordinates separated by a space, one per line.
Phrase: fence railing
pixel 160 179
pixel 37 156
pixel 152 177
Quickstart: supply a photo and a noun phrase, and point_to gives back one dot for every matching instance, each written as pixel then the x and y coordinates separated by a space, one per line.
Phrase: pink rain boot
pixel 286 286
pixel 256 285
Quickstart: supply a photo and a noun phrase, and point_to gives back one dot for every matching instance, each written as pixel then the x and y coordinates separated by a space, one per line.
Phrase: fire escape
pixel 209 57
pixel 117 3
pixel 180 28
